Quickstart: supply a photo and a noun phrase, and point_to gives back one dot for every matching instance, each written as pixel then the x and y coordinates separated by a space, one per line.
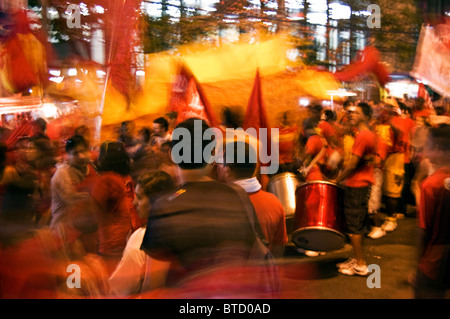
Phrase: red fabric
pixel 327 130
pixel 20 74
pixel 255 116
pixel 365 147
pixel 123 18
pixel 286 145
pixel 434 217
pixel 313 147
pixel 114 220
pixel 25 129
pixel 368 62
pixel 188 98
pixel 402 142
pixel 423 113
pixel 270 214
pixel 28 269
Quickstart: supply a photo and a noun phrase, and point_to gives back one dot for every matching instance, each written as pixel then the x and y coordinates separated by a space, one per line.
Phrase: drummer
pixel 314 159
pixel 357 177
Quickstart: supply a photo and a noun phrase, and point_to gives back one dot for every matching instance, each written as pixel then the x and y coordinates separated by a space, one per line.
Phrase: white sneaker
pixel 390 224
pixel 355 270
pixel 348 263
pixel 377 232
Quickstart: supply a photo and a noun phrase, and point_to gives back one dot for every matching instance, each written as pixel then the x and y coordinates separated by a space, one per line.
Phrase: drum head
pixel 318 239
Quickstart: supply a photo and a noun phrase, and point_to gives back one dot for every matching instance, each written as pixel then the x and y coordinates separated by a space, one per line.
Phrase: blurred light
pixel 99 9
pixel 55 72
pixel 57 79
pixel 339 11
pixel 50 110
pixel 101 73
pixel 341 93
pixel 84 9
pixel 399 88
pixel 72 72
pixel 303 102
pixel 140 73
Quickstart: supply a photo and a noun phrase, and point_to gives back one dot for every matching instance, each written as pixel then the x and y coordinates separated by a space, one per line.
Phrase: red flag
pixel 367 62
pixel 188 98
pixel 255 117
pixel 124 23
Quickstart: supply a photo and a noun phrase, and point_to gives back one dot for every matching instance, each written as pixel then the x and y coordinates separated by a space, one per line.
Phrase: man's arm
pixel 348 169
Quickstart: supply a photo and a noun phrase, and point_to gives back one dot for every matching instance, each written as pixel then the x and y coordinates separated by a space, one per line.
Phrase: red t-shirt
pixel 114 214
pixel 327 130
pixel 434 217
pixel 270 213
pixel 365 147
pixel 286 143
pixel 402 143
pixel 423 113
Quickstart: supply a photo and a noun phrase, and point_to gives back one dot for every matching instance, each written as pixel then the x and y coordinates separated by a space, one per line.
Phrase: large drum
pixel 284 186
pixel 319 222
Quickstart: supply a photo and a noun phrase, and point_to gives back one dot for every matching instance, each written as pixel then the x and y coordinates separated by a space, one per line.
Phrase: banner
pixel 188 99
pixel 367 62
pixel 432 63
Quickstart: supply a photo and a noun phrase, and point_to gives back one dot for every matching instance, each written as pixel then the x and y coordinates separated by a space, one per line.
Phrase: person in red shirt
pixel 315 148
pixel 358 176
pixel 394 170
pixel 433 271
pixel 112 202
pixel 287 135
pixel 268 208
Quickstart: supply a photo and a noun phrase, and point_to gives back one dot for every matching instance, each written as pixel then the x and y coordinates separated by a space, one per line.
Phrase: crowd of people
pixel 140 225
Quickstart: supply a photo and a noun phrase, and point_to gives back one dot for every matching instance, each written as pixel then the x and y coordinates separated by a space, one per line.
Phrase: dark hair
pixel 163 122
pixel 315 108
pixel 155 184
pixel 330 115
pixel 189 125
pixel 146 133
pixel 242 167
pixel 440 136
pixel 114 158
pixel 366 109
pixel 231 118
pixel 41 123
pixel 74 141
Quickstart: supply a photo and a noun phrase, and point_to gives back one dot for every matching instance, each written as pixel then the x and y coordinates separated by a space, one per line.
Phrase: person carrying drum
pixel 357 178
